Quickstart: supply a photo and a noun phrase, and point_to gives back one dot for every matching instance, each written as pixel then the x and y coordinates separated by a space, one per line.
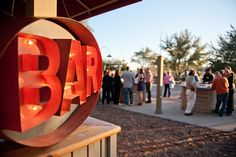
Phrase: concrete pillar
pixel 159 85
pixel 41 8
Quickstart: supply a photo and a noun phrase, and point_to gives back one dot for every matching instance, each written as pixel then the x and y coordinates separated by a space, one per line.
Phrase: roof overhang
pixel 75 9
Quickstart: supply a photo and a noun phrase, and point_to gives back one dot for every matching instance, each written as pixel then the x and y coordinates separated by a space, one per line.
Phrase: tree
pixel 224 53
pixel 145 57
pixel 185 50
pixel 114 64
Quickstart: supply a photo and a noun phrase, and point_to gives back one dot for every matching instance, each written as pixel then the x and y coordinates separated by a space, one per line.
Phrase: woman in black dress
pixel 117 86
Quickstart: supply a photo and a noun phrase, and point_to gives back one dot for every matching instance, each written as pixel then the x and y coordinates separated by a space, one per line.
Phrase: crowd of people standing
pixel 111 86
pixel 144 83
pixel 223 82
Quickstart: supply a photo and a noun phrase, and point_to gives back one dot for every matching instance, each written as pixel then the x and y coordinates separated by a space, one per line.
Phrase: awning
pixel 76 9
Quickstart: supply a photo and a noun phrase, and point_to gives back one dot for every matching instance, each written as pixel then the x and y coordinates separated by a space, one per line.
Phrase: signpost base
pixel 93 138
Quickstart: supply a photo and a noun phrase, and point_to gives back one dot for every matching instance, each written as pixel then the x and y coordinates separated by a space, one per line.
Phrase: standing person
pixel 190 92
pixel 128 86
pixel 230 75
pixel 208 76
pixel 112 87
pixel 167 78
pixel 149 81
pixel 106 87
pixel 141 86
pixel 117 86
pixel 221 86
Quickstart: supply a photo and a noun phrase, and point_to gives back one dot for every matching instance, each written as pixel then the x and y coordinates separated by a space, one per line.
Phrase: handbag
pixel 172 84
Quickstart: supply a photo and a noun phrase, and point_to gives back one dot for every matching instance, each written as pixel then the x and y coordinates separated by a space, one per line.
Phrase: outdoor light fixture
pixel 109 56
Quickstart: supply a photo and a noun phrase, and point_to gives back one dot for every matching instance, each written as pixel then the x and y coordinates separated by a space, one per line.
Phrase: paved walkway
pixel 171 110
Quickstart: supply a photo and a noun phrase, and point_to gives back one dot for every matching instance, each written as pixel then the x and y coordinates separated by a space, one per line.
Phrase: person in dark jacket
pixel 208 76
pixel 230 75
pixel 107 82
pixel 117 87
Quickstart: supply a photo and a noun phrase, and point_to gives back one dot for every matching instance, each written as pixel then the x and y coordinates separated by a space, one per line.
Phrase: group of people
pixel 223 82
pixel 111 86
pixel 144 82
pixel 168 81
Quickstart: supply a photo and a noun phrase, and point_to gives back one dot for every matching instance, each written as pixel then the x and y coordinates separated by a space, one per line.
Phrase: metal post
pixel 41 8
pixel 159 85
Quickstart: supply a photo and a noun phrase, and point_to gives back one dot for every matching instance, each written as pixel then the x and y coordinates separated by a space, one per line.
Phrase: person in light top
pixel 166 80
pixel 190 92
pixel 128 86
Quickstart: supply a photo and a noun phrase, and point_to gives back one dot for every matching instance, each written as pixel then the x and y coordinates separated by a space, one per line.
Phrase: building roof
pixel 75 9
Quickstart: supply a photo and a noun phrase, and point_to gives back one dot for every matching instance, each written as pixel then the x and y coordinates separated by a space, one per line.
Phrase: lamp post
pixel 159 85
pixel 165 33
pixel 160 42
pixel 108 50
pixel 109 56
pixel 108 62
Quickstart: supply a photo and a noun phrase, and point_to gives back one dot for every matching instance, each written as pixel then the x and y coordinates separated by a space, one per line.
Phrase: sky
pixel 126 30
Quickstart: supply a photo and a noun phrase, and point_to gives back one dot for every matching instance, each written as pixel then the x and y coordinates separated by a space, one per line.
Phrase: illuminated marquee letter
pixel 81 73
pixel 92 66
pixel 75 69
pixel 35 84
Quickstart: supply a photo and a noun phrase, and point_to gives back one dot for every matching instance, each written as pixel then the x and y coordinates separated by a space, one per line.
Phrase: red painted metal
pixel 43 77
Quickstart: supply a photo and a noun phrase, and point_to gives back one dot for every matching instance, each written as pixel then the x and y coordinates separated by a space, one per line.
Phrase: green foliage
pixel 225 53
pixel 114 64
pixel 145 57
pixel 185 50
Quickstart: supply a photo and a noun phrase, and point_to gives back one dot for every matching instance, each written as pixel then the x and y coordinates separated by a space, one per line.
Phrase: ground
pixel 148 136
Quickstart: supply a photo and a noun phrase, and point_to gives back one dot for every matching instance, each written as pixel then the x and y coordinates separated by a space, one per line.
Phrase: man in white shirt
pixel 190 92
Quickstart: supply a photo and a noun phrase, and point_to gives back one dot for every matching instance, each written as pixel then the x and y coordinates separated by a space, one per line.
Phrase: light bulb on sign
pixel 28 111
pixel 71 55
pixel 36 108
pixel 30 42
pixel 89 53
pixel 20 81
